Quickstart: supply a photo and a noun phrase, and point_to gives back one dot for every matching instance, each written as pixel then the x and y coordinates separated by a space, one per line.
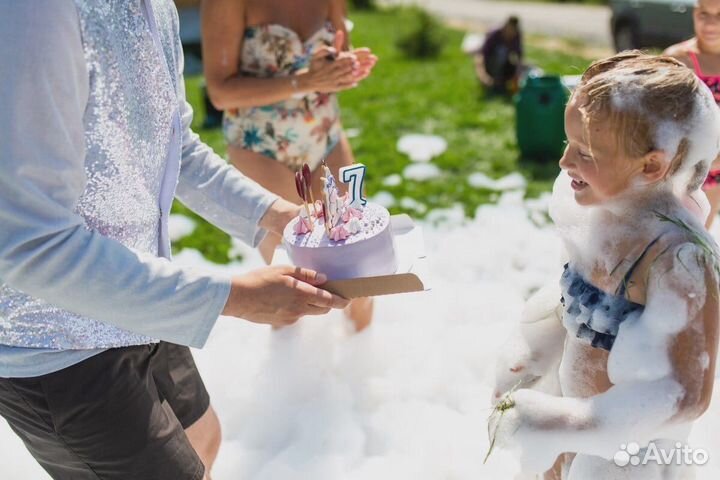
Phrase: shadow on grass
pixel 488 95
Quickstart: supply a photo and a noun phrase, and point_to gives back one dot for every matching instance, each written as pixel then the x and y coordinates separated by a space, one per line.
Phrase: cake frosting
pixel 340 237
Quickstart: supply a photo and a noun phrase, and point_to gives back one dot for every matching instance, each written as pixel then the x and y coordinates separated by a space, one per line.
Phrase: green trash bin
pixel 539 121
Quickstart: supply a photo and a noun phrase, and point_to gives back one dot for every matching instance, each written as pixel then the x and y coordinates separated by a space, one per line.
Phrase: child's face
pixel 605 173
pixel 706 17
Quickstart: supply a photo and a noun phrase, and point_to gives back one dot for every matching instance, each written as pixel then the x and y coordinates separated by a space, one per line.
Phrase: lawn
pixel 439 97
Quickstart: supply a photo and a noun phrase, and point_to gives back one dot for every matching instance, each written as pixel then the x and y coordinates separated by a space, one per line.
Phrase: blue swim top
pixel 593 315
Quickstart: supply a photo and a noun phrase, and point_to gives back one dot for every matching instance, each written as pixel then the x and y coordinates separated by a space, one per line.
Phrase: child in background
pixel 628 356
pixel 702 54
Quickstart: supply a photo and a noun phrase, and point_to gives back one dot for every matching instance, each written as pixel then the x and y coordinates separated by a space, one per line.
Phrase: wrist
pixel 295 86
pixel 232 306
pixel 302 83
pixel 280 213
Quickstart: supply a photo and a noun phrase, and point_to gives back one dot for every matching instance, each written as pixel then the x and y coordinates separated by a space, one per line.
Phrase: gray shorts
pixel 118 415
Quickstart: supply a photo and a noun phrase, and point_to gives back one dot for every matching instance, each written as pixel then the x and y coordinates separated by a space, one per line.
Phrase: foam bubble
pixel 180 226
pixel 421 148
pixel 421 172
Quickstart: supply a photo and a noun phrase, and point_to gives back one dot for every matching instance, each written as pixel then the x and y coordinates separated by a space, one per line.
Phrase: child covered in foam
pixel 627 356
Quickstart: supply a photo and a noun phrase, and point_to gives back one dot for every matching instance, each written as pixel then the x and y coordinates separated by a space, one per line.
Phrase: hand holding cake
pixel 280 295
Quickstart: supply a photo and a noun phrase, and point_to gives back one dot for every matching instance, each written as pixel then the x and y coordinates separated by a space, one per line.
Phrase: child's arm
pixel 532 354
pixel 661 365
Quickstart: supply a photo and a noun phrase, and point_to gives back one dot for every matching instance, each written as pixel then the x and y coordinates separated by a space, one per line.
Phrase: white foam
pixel 180 226
pixel 472 42
pixel 392 180
pixel 541 426
pixel 450 217
pixel 421 148
pixel 412 204
pixel 386 199
pixel 352 132
pixel 705 361
pixel 421 172
pixel 513 181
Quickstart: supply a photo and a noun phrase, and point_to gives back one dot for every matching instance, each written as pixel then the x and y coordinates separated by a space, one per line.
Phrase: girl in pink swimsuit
pixel 702 54
pixel 713 83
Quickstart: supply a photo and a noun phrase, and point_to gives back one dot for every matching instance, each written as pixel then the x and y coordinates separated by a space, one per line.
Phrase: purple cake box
pixel 410 276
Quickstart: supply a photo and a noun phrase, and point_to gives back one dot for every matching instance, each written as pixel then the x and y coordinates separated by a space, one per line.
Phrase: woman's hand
pixel 330 71
pixel 366 61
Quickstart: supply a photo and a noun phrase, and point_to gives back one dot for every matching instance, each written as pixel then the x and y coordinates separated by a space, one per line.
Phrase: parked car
pixel 650 23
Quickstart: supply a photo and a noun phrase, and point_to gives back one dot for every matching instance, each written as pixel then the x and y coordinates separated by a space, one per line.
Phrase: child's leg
pixel 559 470
pixel 360 312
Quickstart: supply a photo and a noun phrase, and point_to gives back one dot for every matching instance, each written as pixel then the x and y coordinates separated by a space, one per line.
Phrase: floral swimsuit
pixel 294 131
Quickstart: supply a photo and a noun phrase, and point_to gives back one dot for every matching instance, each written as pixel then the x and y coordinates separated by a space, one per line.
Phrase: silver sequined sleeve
pixel 46 249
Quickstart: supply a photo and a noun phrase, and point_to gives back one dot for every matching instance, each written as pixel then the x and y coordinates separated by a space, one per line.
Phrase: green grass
pixel 439 96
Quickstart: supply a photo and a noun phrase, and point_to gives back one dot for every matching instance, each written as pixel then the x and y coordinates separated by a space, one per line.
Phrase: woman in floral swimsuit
pixel 702 54
pixel 274 67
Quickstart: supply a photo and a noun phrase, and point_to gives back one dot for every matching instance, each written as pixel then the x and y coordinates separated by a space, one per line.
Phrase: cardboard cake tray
pixel 411 274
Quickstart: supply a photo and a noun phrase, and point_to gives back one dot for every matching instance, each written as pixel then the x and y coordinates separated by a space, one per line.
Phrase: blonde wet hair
pixel 651 103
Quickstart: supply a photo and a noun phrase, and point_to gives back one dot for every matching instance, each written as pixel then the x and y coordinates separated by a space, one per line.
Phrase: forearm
pixel 337 16
pixel 541 328
pixel 217 191
pixel 278 215
pixel 222 195
pixel 81 271
pixel 549 425
pixel 534 350
pixel 245 91
pixel 524 365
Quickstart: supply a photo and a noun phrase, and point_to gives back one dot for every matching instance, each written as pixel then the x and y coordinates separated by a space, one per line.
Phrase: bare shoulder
pixel 223 22
pixel 680 51
pixel 682 260
pixel 227 10
pixel 223 26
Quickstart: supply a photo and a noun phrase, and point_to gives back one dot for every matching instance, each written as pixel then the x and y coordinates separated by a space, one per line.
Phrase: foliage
pixel 424 36
pixel 363 4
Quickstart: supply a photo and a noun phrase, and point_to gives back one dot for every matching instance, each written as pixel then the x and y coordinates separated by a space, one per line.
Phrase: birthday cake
pixel 342 236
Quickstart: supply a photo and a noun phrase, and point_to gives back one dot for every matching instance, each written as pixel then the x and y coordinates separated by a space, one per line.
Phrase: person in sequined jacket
pixel 96 376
